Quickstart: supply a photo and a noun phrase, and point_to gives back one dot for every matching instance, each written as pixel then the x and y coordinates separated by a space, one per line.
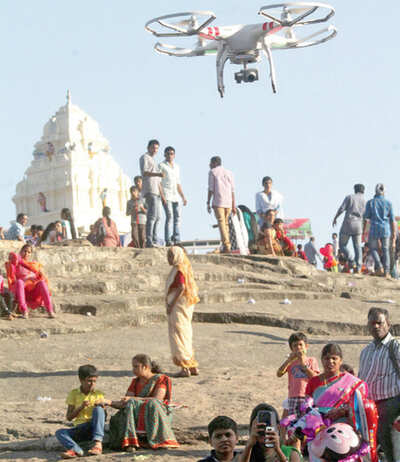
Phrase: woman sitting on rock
pixel 106 230
pixel 267 243
pixel 27 282
pixel 145 418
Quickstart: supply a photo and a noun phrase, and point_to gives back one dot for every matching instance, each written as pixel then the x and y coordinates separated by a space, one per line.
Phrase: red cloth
pixel 163 382
pixel 178 281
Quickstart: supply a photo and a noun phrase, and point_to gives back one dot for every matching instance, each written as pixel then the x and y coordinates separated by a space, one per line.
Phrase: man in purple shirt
pixel 221 190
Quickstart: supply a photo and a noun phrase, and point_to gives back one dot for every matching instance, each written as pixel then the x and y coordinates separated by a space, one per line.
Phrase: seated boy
pixel 223 437
pixel 6 301
pixel 300 368
pixel 85 409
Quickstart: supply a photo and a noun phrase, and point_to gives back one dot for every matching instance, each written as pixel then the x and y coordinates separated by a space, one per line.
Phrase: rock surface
pixel 239 345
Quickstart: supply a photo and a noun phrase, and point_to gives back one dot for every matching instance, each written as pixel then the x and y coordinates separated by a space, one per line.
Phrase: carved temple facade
pixel 72 167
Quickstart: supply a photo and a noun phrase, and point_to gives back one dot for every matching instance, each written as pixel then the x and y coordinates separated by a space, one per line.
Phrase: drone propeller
pixel 302 10
pixel 195 21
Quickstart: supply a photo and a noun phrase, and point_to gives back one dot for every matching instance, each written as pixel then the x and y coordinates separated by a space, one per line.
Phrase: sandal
pixel 194 371
pixel 129 449
pixel 184 373
pixel 96 450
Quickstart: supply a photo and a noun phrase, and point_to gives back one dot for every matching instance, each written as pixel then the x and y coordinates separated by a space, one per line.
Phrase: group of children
pixel 85 408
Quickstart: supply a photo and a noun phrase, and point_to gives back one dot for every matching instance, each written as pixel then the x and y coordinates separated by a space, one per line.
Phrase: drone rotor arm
pixel 302 10
pixel 270 16
pixel 177 28
pixel 302 16
pixel 172 27
pixel 305 41
pixel 172 50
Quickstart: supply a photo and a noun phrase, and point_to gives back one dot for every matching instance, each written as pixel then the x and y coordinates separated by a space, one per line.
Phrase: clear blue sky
pixel 333 123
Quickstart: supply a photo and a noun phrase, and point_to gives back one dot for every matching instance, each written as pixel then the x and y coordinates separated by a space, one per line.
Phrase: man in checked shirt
pixel 378 370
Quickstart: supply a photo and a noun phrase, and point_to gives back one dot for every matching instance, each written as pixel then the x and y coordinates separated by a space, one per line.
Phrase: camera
pixel 246 75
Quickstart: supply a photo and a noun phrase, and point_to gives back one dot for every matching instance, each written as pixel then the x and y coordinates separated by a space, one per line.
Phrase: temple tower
pixel 72 167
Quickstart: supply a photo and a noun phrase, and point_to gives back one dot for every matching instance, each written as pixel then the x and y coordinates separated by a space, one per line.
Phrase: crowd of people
pixel 370 222
pixel 317 401
pixel 320 419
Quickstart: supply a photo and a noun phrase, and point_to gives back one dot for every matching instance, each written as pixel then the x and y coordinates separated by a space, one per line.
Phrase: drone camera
pixel 246 75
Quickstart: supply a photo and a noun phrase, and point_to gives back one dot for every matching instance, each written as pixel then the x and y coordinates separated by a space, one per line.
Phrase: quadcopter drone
pixel 245 44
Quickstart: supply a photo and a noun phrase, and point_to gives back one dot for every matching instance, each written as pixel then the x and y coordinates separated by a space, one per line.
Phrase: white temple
pixel 72 167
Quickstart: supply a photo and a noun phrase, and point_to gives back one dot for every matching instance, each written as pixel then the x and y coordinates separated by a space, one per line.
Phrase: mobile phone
pixel 269 419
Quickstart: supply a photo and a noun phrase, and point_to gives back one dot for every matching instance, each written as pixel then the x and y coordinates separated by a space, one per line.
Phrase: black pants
pixel 6 304
pixel 388 410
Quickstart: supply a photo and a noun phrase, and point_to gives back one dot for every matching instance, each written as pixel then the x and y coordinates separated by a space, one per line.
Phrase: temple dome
pixel 72 167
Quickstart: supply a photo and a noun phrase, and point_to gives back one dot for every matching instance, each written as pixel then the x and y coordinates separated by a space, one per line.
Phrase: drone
pixel 245 44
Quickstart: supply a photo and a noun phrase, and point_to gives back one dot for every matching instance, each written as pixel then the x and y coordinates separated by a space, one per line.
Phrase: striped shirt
pixel 376 368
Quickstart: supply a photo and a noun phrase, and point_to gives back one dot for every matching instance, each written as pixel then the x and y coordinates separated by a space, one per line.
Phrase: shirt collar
pixel 384 341
pixel 214 454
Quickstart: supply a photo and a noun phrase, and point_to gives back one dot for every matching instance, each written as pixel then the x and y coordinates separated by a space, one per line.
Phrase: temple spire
pixel 69 97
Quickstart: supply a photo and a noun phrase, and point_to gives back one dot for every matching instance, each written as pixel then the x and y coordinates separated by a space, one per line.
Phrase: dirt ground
pixel 237 371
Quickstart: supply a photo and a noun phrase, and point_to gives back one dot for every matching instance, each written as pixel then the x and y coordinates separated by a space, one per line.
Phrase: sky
pixel 333 122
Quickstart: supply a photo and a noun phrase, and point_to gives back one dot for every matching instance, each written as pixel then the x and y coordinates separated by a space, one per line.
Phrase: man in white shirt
pixel 171 190
pixel 268 199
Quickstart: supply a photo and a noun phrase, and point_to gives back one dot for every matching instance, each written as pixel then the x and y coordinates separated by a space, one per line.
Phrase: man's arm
pixel 180 192
pixel 209 197
pixel 233 203
pixel 341 209
pixel 160 188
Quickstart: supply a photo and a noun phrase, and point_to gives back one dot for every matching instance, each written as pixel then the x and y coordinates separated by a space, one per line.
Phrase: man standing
pixel 352 226
pixel 311 252
pixel 380 369
pixel 268 199
pixel 16 232
pixel 151 191
pixel 379 212
pixel 221 190
pixel 171 187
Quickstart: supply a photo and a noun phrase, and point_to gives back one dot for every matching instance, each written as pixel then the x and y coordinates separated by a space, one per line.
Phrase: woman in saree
pixel 27 282
pixel 333 390
pixel 145 417
pixel 181 295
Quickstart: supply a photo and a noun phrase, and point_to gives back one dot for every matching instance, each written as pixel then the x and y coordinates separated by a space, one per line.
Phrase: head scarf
pixel 181 263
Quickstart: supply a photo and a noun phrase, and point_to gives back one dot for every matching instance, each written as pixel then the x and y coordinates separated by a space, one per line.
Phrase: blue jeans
pixel 153 205
pixel 373 243
pixel 172 215
pixel 356 238
pixel 88 431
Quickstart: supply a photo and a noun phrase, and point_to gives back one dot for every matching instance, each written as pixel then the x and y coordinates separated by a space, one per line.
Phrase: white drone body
pixel 245 44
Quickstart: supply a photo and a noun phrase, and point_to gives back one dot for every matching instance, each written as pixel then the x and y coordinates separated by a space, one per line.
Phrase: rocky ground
pixel 239 344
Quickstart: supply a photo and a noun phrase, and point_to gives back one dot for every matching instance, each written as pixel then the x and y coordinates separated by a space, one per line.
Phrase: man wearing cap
pixel 354 206
pixel 379 213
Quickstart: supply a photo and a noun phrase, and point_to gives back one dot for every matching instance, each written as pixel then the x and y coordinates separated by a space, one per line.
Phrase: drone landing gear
pixel 222 57
pixel 267 51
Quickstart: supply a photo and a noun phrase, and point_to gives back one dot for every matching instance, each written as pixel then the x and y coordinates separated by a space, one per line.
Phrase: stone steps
pixel 108 305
